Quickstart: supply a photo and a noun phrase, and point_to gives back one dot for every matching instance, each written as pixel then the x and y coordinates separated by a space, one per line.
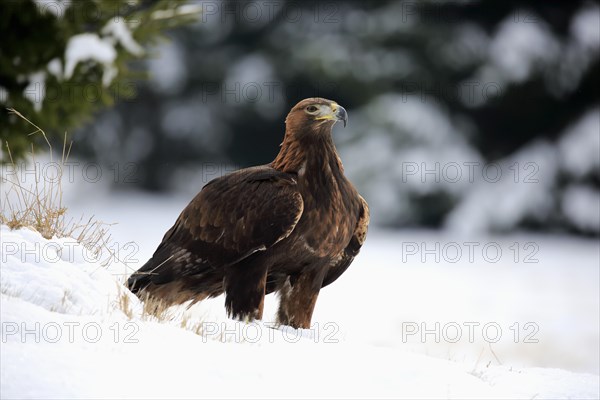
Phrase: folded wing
pixel 231 218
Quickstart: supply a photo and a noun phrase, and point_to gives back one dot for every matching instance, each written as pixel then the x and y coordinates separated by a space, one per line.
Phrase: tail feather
pixel 140 279
pixel 137 282
pixel 175 281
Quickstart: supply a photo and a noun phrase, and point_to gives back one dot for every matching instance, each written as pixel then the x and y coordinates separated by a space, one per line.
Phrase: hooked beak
pixel 338 113
pixel 341 115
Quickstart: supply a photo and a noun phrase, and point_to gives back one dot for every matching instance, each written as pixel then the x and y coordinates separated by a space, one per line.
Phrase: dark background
pixel 447 87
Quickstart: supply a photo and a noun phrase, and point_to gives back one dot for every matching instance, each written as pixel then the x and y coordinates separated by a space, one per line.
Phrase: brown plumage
pixel 291 226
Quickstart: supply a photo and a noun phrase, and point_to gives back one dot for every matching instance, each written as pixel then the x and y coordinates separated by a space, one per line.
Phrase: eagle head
pixel 315 114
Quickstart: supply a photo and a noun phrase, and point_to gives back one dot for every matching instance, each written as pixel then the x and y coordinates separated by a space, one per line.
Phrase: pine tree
pixel 61 61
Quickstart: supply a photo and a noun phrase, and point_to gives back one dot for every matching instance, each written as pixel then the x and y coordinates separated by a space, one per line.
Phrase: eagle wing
pixel 352 249
pixel 231 218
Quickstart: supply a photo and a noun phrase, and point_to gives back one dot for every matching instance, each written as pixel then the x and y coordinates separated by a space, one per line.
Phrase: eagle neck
pixel 291 156
pixel 315 153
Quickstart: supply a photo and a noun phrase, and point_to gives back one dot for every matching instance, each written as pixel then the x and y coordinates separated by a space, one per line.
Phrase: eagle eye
pixel 311 109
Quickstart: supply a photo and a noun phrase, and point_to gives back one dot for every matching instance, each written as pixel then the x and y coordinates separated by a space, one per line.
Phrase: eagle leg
pixel 244 286
pixel 298 298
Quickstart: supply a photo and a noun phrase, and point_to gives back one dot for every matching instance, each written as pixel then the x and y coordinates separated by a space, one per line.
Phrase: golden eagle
pixel 292 226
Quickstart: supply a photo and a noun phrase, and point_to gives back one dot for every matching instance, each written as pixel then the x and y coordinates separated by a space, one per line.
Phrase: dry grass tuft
pixel 124 303
pixel 158 310
pixel 39 205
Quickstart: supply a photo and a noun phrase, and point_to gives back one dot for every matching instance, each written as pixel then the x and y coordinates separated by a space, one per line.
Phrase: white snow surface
pixel 64 335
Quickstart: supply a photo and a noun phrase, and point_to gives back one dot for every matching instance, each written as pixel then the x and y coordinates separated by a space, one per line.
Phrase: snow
pixel 511 190
pixel 585 28
pixel 253 80
pixel 35 91
pixel 117 28
pixel 519 45
pixel 167 71
pixel 29 262
pixel 524 45
pixel 55 67
pixel 534 379
pixel 89 46
pixel 422 149
pixel 414 136
pixel 185 118
pixel 184 9
pixel 362 343
pixel 581 205
pixel 579 145
pixel 56 7
pixel 469 45
pixel 420 314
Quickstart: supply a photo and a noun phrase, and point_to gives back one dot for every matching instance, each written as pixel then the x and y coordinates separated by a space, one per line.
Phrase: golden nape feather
pixel 292 226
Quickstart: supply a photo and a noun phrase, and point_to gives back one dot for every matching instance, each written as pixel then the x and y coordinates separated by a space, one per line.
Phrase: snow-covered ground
pixel 418 315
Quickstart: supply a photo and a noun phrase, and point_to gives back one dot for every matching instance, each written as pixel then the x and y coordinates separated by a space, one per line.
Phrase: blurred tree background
pixel 476 116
